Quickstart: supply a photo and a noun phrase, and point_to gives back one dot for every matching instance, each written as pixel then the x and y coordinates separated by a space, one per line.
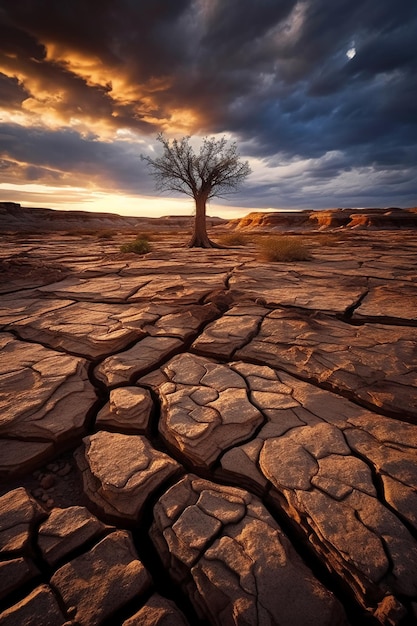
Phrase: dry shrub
pixel 106 234
pixel 139 246
pixel 284 248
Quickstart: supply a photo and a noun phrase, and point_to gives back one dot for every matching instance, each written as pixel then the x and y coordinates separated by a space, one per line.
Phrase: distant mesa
pixel 15 218
pixel 375 218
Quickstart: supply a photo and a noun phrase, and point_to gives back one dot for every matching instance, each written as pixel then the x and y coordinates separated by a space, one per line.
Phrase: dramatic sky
pixel 321 97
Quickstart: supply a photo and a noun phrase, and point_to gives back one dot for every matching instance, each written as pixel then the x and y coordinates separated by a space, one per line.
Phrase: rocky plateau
pixel 200 437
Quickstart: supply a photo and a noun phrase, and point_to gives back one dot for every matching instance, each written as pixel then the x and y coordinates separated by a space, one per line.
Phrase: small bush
pixel 139 246
pixel 106 234
pixel 232 239
pixel 281 248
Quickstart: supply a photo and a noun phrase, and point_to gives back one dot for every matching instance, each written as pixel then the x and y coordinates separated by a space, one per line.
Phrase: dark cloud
pixel 18 42
pixel 12 93
pixel 140 37
pixel 274 73
pixel 51 156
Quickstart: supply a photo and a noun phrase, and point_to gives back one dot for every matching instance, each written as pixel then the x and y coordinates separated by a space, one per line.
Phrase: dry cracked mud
pixel 200 437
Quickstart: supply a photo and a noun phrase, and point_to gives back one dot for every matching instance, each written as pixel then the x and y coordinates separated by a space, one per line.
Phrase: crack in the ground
pixel 355 305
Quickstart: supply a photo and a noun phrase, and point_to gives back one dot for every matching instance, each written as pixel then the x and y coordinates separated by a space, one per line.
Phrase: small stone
pixel 66 469
pixel 72 610
pixel 128 410
pixel 47 481
pixel 389 611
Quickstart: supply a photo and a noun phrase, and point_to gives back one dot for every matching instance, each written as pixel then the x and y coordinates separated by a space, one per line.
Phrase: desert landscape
pixel 205 437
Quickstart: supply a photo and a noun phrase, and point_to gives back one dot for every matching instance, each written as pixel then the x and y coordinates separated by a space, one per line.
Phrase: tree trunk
pixel 200 238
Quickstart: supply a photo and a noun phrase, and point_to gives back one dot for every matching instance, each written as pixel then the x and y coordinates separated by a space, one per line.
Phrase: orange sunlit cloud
pixel 82 93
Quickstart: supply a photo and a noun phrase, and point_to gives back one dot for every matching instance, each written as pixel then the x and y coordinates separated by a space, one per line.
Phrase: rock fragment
pixel 39 607
pixel 54 394
pixel 396 301
pixel 393 462
pixel 110 288
pixel 97 329
pixel 187 288
pixel 157 611
pixel 18 514
pixel 14 573
pixel 90 329
pixel 17 309
pixel 302 288
pixel 103 580
pixel 145 355
pixel 121 472
pixel 229 332
pixel 317 451
pixel 65 530
pixel 376 365
pixel 234 561
pixel 17 456
pixel 205 408
pixel 128 410
pixel 181 322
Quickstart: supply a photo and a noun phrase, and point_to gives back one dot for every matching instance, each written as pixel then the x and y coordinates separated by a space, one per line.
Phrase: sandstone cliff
pixel 389 218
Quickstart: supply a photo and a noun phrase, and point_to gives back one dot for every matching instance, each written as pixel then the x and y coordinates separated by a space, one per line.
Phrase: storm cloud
pixel 320 96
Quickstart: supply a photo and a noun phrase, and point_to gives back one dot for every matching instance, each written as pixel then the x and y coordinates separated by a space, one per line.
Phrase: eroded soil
pixel 201 437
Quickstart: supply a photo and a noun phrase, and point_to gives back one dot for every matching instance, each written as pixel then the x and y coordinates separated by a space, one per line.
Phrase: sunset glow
pixel 82 98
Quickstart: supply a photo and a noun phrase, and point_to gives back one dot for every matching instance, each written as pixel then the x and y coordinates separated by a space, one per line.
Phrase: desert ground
pixel 206 437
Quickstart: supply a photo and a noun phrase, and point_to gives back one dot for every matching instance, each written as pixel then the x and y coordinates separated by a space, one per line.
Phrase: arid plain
pixel 205 437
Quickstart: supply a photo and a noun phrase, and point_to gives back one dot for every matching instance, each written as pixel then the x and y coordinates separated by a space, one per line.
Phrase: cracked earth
pixel 199 437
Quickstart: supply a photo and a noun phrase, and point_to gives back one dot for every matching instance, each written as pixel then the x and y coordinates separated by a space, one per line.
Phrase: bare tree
pixel 215 171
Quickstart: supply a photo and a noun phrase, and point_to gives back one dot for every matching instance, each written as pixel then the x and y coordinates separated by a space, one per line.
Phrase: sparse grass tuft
pixel 139 246
pixel 284 248
pixel 232 239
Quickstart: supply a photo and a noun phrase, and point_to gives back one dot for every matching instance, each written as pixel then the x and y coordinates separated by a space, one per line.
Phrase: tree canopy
pixel 216 170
